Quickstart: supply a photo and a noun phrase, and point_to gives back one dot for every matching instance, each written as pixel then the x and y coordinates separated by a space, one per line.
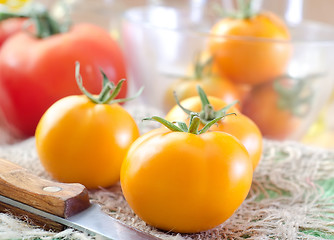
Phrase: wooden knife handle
pixel 61 199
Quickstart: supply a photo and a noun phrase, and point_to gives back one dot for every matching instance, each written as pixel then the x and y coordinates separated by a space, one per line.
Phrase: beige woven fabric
pixel 286 200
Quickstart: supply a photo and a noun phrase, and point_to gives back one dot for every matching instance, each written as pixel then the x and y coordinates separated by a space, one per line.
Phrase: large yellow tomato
pixel 183 182
pixel 78 140
pixel 251 50
pixel 238 125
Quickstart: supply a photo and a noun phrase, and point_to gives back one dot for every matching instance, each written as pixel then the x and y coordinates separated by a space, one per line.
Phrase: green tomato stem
pixel 179 104
pixel 166 123
pixel 182 127
pixel 46 26
pixel 109 91
pixel 243 10
pixel 194 123
pixel 203 97
pixel 210 124
pixel 207 113
pixel 297 98
pixel 201 68
pixel 105 93
pixel 7 15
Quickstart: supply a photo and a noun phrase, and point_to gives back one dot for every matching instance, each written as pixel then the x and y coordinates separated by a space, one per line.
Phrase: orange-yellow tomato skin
pixel 246 131
pixel 214 86
pixel 79 141
pixel 274 122
pixel 253 50
pixel 239 125
pixel 183 182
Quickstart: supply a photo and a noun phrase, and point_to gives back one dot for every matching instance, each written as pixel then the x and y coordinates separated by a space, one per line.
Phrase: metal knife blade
pixel 91 220
pixel 54 204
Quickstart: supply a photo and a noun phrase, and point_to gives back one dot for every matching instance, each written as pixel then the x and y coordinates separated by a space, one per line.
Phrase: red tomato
pixel 9 27
pixel 35 73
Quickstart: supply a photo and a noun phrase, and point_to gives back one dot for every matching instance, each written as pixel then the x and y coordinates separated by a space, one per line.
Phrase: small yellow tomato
pixel 213 85
pixel 203 74
pixel 80 141
pixel 238 125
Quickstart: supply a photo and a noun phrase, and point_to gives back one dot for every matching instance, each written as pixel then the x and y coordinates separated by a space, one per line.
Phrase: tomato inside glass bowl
pixel 276 56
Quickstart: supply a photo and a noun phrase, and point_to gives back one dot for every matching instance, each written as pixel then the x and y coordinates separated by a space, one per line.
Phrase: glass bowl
pixel 164 42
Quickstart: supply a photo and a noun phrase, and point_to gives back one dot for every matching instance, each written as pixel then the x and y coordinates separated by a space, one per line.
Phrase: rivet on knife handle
pixel 63 200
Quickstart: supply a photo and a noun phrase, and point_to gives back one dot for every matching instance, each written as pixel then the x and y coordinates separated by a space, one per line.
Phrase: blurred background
pixel 161 39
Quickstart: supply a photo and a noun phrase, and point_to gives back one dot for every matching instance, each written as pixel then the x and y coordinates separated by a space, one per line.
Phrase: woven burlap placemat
pixel 292 196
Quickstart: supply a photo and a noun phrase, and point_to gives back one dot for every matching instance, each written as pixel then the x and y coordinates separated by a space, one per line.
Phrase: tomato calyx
pixel 243 10
pixel 295 94
pixel 7 15
pixel 182 126
pixel 207 114
pixel 202 68
pixel 109 91
pixel 46 26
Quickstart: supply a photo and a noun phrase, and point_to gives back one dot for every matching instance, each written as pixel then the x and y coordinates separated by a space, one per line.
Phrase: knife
pixel 54 205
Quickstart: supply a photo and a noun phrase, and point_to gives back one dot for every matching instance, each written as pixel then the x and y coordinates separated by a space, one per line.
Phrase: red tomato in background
pixel 9 27
pixel 35 73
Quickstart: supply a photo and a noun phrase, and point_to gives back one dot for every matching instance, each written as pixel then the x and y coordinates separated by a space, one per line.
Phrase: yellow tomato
pixel 239 125
pixel 80 141
pixel 83 138
pixel 212 85
pixel 195 105
pixel 251 50
pixel 202 73
pixel 182 182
